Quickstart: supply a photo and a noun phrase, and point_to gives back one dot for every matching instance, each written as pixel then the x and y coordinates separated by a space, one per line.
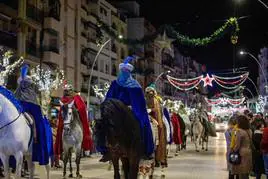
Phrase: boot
pixel 106 157
pixel 1 173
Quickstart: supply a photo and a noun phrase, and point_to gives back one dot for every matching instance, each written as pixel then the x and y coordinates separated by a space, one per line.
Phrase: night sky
pixel 199 18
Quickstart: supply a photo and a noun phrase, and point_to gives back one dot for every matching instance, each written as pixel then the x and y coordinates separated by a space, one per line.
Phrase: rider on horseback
pixel 129 91
pixel 27 92
pixel 68 96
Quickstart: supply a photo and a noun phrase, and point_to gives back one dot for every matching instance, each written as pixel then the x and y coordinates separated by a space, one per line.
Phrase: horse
pixel 199 132
pixel 72 137
pixel 14 142
pixel 122 131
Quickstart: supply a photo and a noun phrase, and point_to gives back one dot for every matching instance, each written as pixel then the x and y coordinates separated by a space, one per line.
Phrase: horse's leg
pixel 19 160
pixel 125 164
pixel 196 138
pixel 207 144
pixel 77 161
pixel 65 161
pixel 70 163
pixel 115 161
pixel 5 161
pixel 134 167
pixel 31 166
pixel 48 170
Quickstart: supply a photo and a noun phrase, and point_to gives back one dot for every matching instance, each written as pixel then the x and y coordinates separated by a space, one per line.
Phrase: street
pixel 188 165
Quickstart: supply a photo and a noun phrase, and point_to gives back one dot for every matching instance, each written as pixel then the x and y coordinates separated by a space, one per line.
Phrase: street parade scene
pixel 133 89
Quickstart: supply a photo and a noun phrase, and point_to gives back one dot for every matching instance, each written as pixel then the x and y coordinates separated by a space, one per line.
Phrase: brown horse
pixel 122 132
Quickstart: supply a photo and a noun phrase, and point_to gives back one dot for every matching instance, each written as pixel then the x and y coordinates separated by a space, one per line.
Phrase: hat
pixel 24 71
pixel 151 87
pixel 126 65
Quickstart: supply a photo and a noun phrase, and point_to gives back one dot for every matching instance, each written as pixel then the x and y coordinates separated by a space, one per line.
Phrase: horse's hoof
pixel 71 175
pixel 79 176
pixel 197 150
pixel 163 176
pixel 109 167
pixel 206 149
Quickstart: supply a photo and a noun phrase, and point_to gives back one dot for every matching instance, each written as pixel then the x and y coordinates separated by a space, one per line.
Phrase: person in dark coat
pixel 258 164
pixel 264 149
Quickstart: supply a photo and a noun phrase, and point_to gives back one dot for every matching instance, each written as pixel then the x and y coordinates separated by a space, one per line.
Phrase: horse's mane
pixel 116 114
pixel 77 118
pixel 10 96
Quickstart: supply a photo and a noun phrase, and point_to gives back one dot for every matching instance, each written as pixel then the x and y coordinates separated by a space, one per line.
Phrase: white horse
pixel 198 131
pixel 15 137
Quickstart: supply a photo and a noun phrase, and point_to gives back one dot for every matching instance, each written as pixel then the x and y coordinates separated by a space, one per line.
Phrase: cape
pixel 134 97
pixel 166 114
pixel 176 129
pixel 87 143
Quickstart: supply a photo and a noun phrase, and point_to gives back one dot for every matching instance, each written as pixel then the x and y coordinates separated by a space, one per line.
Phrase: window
pixel 51 40
pixel 107 69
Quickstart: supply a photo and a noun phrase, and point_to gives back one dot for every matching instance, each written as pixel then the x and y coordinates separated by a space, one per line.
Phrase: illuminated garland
pixel 7 68
pixel 184 84
pixel 224 82
pixel 230 25
pixel 230 82
pixel 225 101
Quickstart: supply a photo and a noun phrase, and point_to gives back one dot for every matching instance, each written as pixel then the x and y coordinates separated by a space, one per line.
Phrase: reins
pixel 11 122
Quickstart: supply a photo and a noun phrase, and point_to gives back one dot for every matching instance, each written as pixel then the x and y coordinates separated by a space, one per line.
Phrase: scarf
pixel 233 137
pixel 126 80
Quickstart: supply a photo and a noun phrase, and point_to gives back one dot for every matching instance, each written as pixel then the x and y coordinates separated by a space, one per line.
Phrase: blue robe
pixel 40 149
pixel 134 97
pixel 166 114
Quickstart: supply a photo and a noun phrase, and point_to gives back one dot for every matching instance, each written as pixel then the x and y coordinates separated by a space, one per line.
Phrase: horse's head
pixel 67 112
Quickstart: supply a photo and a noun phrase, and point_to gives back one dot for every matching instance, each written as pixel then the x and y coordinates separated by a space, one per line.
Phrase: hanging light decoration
pixel 225 101
pixel 184 84
pixel 224 82
pixel 230 82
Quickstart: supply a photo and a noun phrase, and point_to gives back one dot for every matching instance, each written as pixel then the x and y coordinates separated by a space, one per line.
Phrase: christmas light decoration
pixel 260 104
pixel 207 80
pixel 101 93
pixel 230 25
pixel 47 81
pixel 184 84
pixel 7 68
pixel 224 82
pixel 225 101
pixel 230 82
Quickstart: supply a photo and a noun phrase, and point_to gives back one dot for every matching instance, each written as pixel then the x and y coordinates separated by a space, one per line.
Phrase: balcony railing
pixel 34 13
pixel 33 50
pixel 8 39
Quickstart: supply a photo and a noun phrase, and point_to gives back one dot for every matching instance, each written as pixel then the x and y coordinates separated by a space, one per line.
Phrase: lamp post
pixel 260 66
pixel 91 72
pixel 161 74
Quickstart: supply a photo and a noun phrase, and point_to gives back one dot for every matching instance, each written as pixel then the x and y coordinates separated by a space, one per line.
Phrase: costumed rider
pixel 204 117
pixel 27 93
pixel 129 91
pixel 68 96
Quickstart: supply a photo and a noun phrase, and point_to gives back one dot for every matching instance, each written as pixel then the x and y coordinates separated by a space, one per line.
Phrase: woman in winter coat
pixel 241 142
pixel 228 135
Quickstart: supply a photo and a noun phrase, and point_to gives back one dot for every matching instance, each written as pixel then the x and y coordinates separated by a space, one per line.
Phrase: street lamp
pixel 256 60
pixel 161 74
pixel 91 72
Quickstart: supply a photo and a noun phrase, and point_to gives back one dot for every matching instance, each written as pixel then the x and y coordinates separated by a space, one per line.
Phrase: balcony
pixel 34 13
pixel 8 39
pixel 51 48
pixel 32 49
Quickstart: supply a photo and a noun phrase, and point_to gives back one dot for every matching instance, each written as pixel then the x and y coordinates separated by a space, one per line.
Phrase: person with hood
pixel 27 93
pixel 129 91
pixel 68 96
